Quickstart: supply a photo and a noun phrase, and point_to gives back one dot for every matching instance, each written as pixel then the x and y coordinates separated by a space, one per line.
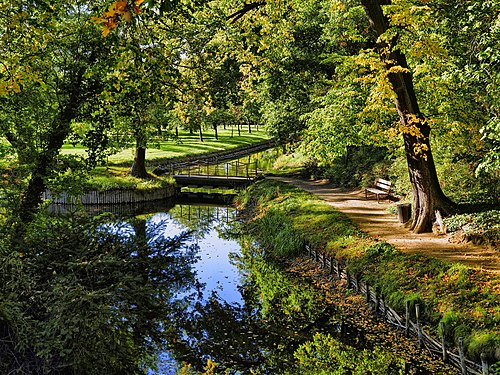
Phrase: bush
pixel 477 227
pixel 360 166
pixel 81 294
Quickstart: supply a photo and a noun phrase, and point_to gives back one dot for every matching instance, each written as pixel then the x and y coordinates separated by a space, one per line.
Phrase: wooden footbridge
pixel 226 175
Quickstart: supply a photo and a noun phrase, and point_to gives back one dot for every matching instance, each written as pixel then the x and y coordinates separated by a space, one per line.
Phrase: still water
pixel 236 311
pixel 240 313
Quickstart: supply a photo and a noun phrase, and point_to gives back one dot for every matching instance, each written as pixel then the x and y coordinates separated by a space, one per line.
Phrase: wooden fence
pixel 107 197
pixel 373 297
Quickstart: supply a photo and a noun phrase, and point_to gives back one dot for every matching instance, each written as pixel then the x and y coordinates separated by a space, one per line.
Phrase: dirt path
pixel 373 218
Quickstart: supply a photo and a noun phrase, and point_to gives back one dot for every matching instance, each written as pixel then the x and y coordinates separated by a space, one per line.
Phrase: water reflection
pixel 206 225
pixel 246 315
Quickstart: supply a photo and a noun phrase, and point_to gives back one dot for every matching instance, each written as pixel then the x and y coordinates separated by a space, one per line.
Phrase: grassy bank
pixel 467 301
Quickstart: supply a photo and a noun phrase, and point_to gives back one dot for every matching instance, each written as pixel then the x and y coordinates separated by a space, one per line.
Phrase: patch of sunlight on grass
pixel 186 145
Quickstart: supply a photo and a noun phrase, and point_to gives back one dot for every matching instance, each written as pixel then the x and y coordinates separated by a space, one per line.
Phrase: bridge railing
pixel 234 168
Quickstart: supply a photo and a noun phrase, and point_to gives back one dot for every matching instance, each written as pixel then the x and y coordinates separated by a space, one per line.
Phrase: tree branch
pixel 246 8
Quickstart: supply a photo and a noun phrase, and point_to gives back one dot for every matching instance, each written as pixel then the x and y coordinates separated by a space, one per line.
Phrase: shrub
pixel 477 227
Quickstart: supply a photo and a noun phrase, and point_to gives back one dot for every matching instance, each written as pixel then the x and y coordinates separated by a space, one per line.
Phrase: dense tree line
pixel 324 75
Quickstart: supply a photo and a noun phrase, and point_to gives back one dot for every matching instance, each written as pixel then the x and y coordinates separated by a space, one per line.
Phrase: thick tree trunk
pixel 427 194
pixel 32 196
pixel 216 132
pixel 138 168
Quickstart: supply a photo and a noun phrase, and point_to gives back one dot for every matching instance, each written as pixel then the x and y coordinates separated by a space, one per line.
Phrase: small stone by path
pixel 374 219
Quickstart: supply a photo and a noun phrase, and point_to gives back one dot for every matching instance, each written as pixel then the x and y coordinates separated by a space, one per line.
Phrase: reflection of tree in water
pixel 200 219
pixel 261 335
pixel 78 298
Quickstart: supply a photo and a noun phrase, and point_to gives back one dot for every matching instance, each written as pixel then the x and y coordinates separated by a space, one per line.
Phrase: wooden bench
pixel 380 188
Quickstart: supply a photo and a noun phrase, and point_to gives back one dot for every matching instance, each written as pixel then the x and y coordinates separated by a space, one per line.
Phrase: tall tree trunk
pixel 427 194
pixel 32 196
pixel 216 132
pixel 138 168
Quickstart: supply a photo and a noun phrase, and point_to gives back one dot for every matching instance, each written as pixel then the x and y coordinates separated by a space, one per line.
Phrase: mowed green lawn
pixel 186 145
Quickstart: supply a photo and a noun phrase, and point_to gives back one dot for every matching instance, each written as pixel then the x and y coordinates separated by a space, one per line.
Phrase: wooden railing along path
pixel 415 328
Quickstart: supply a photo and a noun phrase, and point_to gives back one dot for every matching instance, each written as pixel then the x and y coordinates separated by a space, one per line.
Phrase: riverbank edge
pixel 260 200
pixel 115 196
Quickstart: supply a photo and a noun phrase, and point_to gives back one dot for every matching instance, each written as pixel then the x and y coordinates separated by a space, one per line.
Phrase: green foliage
pixel 78 294
pixel 281 293
pixel 327 356
pixel 358 167
pixel 480 226
pixel 284 242
pixel 380 249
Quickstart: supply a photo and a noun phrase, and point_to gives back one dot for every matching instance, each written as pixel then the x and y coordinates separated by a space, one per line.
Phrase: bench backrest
pixel 382 184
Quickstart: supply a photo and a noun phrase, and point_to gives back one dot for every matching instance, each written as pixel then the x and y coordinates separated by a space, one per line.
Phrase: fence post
pixel 484 365
pixel 462 355
pixel 419 327
pixel 443 341
pixel 367 293
pixel 377 300
pixel 348 277
pixel 384 309
pixel 356 280
pixel 407 321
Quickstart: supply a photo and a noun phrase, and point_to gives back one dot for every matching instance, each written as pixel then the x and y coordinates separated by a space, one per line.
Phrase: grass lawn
pixel 186 145
pixel 115 174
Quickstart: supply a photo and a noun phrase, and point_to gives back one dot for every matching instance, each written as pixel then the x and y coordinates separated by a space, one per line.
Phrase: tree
pixel 393 71
pixel 427 194
pixel 65 62
pixel 140 89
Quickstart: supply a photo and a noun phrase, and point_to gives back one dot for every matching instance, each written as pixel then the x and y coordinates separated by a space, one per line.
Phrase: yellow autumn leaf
pixel 127 16
pixel 105 31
